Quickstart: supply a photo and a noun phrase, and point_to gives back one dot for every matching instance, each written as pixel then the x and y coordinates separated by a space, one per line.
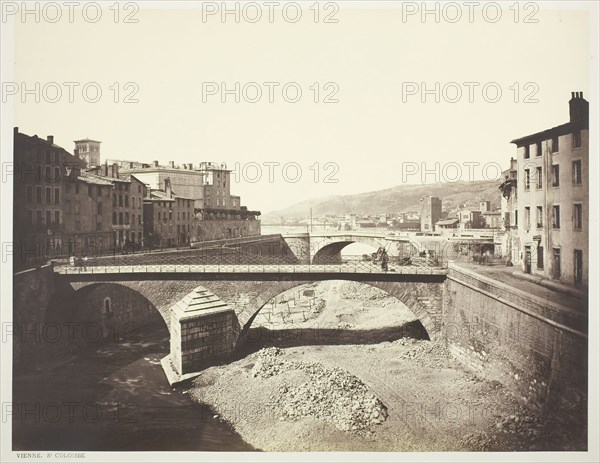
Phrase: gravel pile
pixel 332 394
pixel 427 353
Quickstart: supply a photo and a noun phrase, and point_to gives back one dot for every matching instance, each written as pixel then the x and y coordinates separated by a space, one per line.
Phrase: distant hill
pixel 401 198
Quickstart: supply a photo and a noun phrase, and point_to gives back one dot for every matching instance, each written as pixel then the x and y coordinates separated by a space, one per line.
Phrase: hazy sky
pixel 370 55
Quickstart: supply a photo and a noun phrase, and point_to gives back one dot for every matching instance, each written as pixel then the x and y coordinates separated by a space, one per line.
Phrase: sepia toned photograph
pixel 290 231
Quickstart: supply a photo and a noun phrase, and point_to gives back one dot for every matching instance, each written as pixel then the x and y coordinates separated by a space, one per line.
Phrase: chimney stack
pixel 167 183
pixel 15 131
pixel 76 153
pixel 50 139
pixel 172 164
pixel 155 163
pixel 578 107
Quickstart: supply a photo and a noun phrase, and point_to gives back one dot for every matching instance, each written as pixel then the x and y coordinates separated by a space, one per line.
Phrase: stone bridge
pixel 222 305
pixel 529 344
pixel 327 247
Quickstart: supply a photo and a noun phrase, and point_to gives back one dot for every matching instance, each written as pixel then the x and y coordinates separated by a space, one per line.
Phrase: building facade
pixel 185 181
pixel 552 191
pixel 169 219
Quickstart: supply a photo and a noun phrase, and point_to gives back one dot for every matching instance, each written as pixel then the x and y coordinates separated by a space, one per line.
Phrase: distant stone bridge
pixel 325 247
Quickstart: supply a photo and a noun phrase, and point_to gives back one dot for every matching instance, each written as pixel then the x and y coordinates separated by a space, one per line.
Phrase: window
pixel 56 173
pixel 539 217
pixel 527 154
pixel 77 207
pixel 30 217
pixel 38 194
pixel 538 148
pixel 577 172
pixel 555 216
pixel 57 217
pixel 527 217
pixel 139 219
pixel 68 186
pixel 577 216
pixel 48 217
pixel 48 157
pixel 114 218
pixel 578 266
pixel 555 144
pixel 68 206
pixel 76 188
pixel 114 200
pixel 126 218
pixel 538 177
pixel 90 190
pixel 576 137
pixel 139 188
pixel 120 218
pixel 99 208
pixel 29 194
pixel 38 217
pixel 540 257
pixel 98 226
pixel 516 218
pixel 99 190
pixel 126 201
pixel 56 195
pixel 527 178
pixel 556 269
pixel 48 174
pixel 77 225
pixel 120 200
pixel 48 195
pixel 555 175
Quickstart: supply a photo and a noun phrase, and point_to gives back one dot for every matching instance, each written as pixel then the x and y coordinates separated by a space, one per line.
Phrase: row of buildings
pixel 66 204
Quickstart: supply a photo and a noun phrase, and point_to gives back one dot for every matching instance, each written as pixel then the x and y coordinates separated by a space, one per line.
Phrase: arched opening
pixel 103 313
pixel 332 312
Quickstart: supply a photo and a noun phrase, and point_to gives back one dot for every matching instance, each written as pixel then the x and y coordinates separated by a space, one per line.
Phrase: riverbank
pixel 401 394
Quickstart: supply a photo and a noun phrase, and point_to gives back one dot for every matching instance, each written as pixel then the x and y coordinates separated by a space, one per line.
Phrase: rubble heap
pixel 427 353
pixel 331 394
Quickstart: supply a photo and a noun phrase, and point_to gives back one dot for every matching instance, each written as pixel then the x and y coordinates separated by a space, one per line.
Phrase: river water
pixel 113 396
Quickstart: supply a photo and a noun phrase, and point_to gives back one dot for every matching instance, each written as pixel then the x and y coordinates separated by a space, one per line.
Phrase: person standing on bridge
pixel 384 261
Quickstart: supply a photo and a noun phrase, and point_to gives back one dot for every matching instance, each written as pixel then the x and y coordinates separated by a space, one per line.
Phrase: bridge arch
pixel 114 307
pixel 327 249
pixel 424 300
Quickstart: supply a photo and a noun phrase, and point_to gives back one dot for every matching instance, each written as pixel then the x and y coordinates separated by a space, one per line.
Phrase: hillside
pixel 392 200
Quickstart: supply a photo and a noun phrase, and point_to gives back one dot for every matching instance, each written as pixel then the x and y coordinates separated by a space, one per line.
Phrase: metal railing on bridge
pixel 263 264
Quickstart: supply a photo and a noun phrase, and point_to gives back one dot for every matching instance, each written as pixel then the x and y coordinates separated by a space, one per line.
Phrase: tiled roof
pixel 93 179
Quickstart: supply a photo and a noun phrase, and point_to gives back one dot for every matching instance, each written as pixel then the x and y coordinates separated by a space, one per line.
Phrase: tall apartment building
pixel 431 212
pixel 87 215
pixel 552 191
pixel 127 210
pixel 217 187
